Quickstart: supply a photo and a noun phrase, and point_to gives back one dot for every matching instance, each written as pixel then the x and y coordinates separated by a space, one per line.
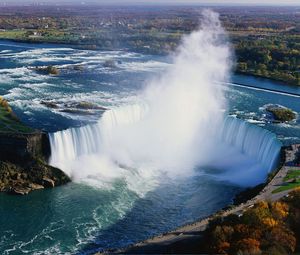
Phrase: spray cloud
pixel 170 128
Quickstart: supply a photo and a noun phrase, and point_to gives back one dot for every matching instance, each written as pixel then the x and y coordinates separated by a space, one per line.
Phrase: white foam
pixel 162 131
pixel 144 66
pixel 5 51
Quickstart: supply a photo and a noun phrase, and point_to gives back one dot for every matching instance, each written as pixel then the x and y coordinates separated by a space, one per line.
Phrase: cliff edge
pixel 24 153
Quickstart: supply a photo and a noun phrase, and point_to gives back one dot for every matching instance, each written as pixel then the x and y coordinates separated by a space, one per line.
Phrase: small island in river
pixel 281 113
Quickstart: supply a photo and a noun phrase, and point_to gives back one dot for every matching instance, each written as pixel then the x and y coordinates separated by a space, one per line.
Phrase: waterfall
pixel 68 145
pixel 176 124
pixel 252 141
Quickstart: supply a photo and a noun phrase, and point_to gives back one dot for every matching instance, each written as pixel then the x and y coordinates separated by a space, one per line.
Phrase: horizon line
pixel 132 4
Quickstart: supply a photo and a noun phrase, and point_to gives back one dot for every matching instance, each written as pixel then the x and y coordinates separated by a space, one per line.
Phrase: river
pixel 79 218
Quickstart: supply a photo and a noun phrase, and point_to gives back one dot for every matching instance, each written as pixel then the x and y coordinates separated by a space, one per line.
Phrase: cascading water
pixel 255 144
pixel 73 143
pixel 173 127
pixel 253 141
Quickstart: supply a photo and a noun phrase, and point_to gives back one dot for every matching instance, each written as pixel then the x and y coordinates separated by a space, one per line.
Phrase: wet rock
pixel 24 176
pixel 20 190
pixel 16 176
pixel 49 104
pixel 88 106
pixel 281 113
pixel 48 183
pixel 78 67
pixel 50 70
pixel 82 107
pixel 33 175
pixel 34 186
pixel 77 111
pixel 110 63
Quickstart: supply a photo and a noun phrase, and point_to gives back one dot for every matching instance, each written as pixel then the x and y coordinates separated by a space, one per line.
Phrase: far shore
pixel 95 47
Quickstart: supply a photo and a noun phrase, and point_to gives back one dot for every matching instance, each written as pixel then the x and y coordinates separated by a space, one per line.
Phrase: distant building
pixel 35 34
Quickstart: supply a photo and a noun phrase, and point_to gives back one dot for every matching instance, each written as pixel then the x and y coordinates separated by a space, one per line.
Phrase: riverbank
pixel 184 239
pixel 73 45
pixel 90 46
pixel 289 81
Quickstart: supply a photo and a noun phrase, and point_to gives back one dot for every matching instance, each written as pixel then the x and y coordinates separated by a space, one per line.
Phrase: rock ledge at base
pixel 23 166
pixel 24 153
pixel 16 178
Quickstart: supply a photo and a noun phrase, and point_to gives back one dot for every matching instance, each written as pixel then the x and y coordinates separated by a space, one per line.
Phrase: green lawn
pixel 291 175
pixel 9 123
pixel 50 35
pixel 288 186
pixel 12 34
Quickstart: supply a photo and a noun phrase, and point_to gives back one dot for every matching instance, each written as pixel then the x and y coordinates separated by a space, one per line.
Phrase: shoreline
pixel 191 231
pixel 95 47
pixel 74 46
pixel 266 77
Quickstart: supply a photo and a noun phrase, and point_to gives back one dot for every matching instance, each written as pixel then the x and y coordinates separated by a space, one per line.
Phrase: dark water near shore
pixel 77 218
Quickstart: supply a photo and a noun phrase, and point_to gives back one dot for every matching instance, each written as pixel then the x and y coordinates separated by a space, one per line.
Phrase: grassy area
pixel 58 36
pixel 9 123
pixel 292 180
pixel 288 186
pixel 292 174
pixel 12 34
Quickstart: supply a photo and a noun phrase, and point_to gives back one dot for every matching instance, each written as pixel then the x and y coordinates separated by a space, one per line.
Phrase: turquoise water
pixel 80 219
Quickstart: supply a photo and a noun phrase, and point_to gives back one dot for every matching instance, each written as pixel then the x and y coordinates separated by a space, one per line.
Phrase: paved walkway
pixel 192 230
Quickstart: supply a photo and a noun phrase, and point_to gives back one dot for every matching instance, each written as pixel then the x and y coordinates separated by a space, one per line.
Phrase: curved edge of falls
pixel 253 142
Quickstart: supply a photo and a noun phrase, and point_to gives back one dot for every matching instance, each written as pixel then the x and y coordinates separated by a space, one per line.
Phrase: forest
pixel 266 40
pixel 268 228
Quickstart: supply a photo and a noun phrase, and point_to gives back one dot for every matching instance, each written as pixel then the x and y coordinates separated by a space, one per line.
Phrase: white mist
pixel 179 110
pixel 175 125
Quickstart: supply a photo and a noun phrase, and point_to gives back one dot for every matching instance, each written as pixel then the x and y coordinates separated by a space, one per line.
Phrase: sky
pixel 218 2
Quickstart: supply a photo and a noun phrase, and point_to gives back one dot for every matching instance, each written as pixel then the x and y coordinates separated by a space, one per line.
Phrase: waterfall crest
pixel 176 124
pixel 255 144
pixel 253 141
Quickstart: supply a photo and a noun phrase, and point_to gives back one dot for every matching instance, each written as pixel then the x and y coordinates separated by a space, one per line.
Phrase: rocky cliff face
pixel 23 163
pixel 22 147
pixel 24 153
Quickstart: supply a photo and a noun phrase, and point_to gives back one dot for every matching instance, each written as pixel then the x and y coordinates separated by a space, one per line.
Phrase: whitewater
pixel 176 124
pixel 132 177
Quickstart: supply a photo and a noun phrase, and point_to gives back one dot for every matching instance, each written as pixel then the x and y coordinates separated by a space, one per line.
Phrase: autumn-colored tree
pixel 265 229
pixel 256 215
pixel 221 236
pixel 280 210
pixel 222 247
pixel 269 222
pixel 284 237
pixel 248 246
pixel 243 231
pixel 294 212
